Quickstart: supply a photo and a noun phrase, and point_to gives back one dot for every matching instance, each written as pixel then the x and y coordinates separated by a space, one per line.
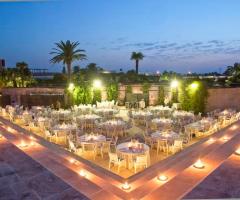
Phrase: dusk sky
pixel 178 35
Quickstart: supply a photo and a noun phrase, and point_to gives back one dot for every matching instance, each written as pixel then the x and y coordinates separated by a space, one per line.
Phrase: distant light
pixel 71 87
pixel 106 72
pixel 174 84
pixel 189 72
pixel 97 84
pixel 162 178
pixel 126 186
pixel 198 164
pixel 158 72
pixel 194 86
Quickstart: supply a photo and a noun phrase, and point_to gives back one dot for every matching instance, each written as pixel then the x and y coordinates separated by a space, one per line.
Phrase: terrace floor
pixel 21 177
pixel 133 132
pixel 219 178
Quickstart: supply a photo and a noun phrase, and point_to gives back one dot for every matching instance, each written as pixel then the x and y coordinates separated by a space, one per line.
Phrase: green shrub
pixel 161 95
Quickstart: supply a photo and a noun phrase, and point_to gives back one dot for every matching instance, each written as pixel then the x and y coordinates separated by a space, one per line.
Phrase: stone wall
pixel 220 98
pixel 17 95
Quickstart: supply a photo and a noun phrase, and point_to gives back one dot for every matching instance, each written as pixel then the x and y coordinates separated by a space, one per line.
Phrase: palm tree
pixel 67 53
pixel 137 56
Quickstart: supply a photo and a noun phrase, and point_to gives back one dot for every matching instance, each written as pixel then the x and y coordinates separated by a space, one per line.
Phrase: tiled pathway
pixel 223 183
pixel 23 178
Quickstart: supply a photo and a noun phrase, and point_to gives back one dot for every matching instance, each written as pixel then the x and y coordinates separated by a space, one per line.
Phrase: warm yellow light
pixel 237 152
pixel 71 87
pixel 199 164
pixel 174 84
pixel 97 84
pixel 82 173
pixel 194 86
pixel 162 178
pixel 126 186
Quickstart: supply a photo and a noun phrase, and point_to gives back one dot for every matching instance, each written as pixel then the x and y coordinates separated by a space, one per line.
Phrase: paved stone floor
pixel 22 178
pixel 223 183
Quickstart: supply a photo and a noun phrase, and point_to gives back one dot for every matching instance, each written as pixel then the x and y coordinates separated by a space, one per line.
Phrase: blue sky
pixel 179 35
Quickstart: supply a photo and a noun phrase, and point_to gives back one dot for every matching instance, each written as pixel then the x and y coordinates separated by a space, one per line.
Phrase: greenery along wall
pixel 193 96
pixel 112 91
pixel 161 95
pixel 82 94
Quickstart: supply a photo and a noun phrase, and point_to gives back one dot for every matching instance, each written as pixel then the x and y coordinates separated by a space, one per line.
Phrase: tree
pixel 64 70
pixel 76 69
pixel 137 56
pixel 234 73
pixel 161 95
pixel 23 72
pixel 21 66
pixel 67 52
pixel 92 67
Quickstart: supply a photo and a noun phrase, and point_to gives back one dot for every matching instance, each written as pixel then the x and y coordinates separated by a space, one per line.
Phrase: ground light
pixel 23 144
pixel 198 164
pixel 162 178
pixel 225 138
pixel 126 186
pixel 82 173
pixel 211 140
pixel 237 152
pixel 97 84
pixel 174 84
pixel 71 160
pixel 71 87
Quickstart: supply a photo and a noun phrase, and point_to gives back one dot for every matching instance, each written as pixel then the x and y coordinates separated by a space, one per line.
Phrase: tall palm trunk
pixel 69 69
pixel 137 62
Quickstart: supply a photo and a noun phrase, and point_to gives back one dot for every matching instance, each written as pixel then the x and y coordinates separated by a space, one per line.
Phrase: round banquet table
pixel 91 139
pixel 130 153
pixel 169 137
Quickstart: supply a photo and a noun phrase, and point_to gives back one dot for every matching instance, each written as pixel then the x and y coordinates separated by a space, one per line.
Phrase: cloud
pixel 141 44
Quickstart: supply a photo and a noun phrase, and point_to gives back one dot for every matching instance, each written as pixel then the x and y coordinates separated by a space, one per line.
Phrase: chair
pixel 148 140
pixel 115 160
pixel 89 148
pixel 177 146
pixel 162 146
pixel 113 141
pixel 73 148
pixel 105 147
pixel 140 161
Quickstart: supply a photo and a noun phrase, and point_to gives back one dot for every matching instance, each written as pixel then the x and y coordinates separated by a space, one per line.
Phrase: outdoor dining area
pixel 122 140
